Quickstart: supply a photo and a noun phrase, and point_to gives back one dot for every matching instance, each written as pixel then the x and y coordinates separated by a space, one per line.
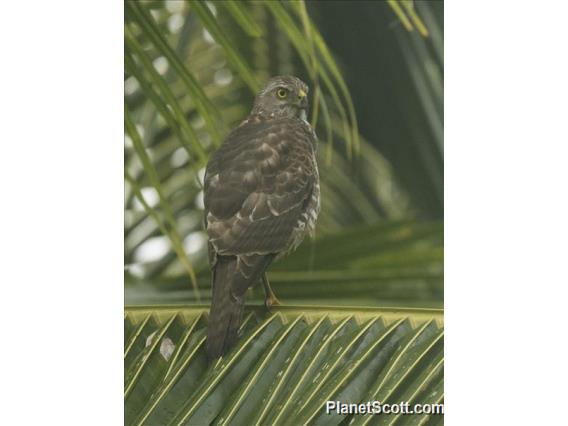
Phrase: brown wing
pixel 258 184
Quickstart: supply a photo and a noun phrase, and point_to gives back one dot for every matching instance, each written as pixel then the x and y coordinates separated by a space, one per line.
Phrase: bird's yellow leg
pixel 270 299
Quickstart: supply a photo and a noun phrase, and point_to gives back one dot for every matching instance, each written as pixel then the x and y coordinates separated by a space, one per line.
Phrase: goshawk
pixel 262 197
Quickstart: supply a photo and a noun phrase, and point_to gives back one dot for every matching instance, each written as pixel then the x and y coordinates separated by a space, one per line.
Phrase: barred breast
pixel 306 223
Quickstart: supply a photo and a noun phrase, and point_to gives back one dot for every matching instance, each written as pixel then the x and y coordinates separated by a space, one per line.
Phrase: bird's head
pixel 283 96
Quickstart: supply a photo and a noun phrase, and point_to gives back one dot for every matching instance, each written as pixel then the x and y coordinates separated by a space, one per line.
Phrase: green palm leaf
pixel 286 366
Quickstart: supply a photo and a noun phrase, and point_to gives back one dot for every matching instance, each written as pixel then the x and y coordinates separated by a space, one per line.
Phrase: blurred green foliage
pixel 191 70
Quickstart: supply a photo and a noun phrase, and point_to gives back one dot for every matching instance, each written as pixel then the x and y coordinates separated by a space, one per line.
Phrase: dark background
pixel 395 79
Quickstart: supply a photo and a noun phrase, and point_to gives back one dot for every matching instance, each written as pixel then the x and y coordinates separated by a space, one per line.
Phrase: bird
pixel 261 198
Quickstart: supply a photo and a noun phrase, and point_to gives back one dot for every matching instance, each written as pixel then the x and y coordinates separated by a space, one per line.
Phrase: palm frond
pixel 285 367
pixel 404 10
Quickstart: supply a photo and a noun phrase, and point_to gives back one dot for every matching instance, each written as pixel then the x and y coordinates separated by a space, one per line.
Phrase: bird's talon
pixel 269 302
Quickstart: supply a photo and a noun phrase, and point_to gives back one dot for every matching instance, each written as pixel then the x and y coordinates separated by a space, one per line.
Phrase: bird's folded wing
pixel 257 185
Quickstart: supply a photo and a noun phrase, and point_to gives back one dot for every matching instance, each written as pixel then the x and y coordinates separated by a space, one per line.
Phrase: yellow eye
pixel 282 93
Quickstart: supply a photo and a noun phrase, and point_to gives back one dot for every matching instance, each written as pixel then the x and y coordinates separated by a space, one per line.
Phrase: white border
pixel 61 168
pixel 506 145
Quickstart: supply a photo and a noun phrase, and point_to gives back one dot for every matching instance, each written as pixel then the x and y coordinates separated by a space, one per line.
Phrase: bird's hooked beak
pixel 303 103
